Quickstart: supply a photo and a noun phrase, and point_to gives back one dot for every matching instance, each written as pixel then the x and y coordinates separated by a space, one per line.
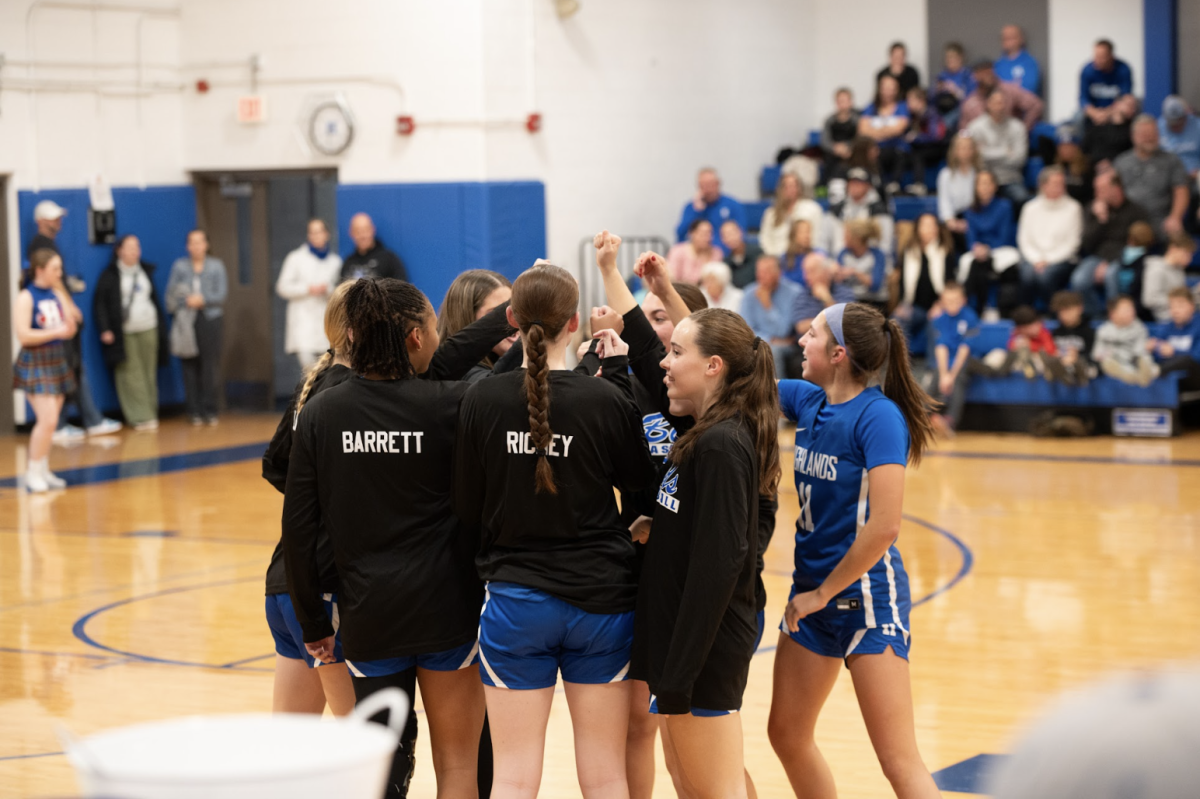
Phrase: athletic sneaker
pixel 152 424
pixel 197 421
pixel 53 480
pixel 106 428
pixel 35 483
pixel 68 433
pixel 211 421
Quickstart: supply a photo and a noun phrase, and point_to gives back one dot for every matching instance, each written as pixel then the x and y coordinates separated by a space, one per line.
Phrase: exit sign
pixel 252 109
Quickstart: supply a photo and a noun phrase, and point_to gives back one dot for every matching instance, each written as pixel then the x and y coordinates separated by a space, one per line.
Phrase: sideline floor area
pixel 136 594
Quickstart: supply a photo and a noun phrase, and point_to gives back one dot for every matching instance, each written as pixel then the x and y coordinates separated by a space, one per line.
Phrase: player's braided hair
pixel 335 334
pixel 544 298
pixel 380 313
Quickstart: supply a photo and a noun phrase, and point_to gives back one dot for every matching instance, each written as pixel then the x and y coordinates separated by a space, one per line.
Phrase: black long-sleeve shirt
pixel 695 624
pixel 454 359
pixel 372 459
pixel 572 544
pixel 378 261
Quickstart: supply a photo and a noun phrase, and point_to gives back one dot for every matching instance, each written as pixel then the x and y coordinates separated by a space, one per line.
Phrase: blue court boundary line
pixel 146 467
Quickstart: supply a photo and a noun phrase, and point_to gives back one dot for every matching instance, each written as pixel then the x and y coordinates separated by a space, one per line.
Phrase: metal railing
pixel 591 287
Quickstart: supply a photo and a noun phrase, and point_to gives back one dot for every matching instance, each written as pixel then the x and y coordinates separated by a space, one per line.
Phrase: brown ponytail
pixel 873 341
pixel 544 298
pixel 335 334
pixel 749 390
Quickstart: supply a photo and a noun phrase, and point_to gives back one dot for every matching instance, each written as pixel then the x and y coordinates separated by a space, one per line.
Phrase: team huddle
pixel 450 521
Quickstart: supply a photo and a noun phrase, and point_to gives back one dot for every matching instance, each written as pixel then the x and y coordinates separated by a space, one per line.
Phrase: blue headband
pixel 833 318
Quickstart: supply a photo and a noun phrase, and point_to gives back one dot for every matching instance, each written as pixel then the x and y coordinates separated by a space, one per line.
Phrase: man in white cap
pixel 49 215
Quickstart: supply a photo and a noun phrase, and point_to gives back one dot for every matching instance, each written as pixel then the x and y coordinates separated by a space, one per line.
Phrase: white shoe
pixel 35 483
pixel 105 428
pixel 68 433
pixel 151 424
pixel 53 480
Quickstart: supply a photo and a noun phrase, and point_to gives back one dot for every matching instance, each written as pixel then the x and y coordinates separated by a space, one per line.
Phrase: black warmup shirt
pixel 454 359
pixel 646 353
pixel 373 459
pixel 695 625
pixel 572 544
pixel 378 261
pixel 1079 338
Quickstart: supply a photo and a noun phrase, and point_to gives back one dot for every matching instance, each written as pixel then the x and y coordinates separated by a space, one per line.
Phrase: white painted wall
pixel 1075 25
pixel 852 44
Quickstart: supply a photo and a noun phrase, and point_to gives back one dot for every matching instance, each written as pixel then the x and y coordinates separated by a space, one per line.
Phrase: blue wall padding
pixel 160 216
pixel 1103 392
pixel 442 229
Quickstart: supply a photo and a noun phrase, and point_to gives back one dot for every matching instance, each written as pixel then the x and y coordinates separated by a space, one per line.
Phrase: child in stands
pixel 1163 274
pixel 1133 265
pixel 1031 349
pixel 1074 338
pixel 1177 343
pixel 1121 345
pixel 950 352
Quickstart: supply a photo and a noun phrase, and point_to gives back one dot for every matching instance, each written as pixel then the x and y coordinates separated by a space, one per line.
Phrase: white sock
pixel 39 467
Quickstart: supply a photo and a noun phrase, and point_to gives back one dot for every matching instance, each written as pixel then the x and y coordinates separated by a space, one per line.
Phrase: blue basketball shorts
pixel 526 637
pixel 826 633
pixel 705 713
pixel 289 638
pixel 456 659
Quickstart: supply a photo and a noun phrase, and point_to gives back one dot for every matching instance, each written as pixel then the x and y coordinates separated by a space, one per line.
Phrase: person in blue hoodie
pixel 1016 65
pixel 1103 81
pixel 1176 344
pixel 949 353
pixel 992 251
pixel 710 204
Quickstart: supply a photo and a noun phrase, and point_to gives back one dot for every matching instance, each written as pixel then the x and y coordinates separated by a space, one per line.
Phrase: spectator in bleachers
pixel 1016 65
pixel 956 184
pixel 1076 166
pixel 1104 141
pixel 839 132
pixel 1121 345
pixel 1103 81
pixel 1106 225
pixel 1073 338
pixel 790 206
pixel 926 137
pixel 1176 343
pixel 820 289
pixel 1164 274
pixel 1048 237
pixel 1133 266
pixel 952 85
pixel 949 356
pixel 864 155
pixel 899 69
pixel 767 306
pixel 1154 179
pixel 1031 349
pixel 685 259
pixel 861 202
pixel 885 121
pixel 371 258
pixel 1024 105
pixel 710 205
pixel 1179 133
pixel 715 284
pixel 1003 145
pixel 992 252
pixel 800 244
pixel 740 254
pixel 861 264
pixel 923 273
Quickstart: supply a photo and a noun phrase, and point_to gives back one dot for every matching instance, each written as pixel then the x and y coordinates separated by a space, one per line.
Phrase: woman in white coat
pixel 309 274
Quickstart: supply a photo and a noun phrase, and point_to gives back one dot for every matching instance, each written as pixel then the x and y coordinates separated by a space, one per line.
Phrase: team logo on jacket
pixel 659 434
pixel 666 491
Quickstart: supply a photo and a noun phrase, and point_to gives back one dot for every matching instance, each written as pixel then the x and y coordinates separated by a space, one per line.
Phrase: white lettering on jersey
pixel 816 464
pixel 382 441
pixel 519 443
pixel 49 315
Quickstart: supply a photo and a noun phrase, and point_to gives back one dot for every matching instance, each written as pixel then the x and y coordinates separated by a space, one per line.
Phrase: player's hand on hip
pixel 802 605
pixel 322 650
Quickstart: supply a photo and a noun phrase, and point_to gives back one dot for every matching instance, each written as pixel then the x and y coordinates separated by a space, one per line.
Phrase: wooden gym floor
pixel 1037 566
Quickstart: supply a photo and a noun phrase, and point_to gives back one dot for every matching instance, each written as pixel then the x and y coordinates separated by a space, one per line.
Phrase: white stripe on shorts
pixel 470 655
pixel 621 674
pixel 353 670
pixel 487 595
pixel 854 642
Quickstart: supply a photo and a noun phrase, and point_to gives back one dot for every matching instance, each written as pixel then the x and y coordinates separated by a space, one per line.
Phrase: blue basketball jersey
pixel 47 310
pixel 836 447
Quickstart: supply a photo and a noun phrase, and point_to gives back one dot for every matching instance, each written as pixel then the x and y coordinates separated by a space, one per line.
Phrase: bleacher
pixel 1009 404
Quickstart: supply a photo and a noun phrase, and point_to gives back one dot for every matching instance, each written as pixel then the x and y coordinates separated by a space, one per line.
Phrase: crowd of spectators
pixel 1099 235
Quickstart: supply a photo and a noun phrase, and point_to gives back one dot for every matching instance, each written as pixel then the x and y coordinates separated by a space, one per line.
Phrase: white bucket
pixel 259 756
